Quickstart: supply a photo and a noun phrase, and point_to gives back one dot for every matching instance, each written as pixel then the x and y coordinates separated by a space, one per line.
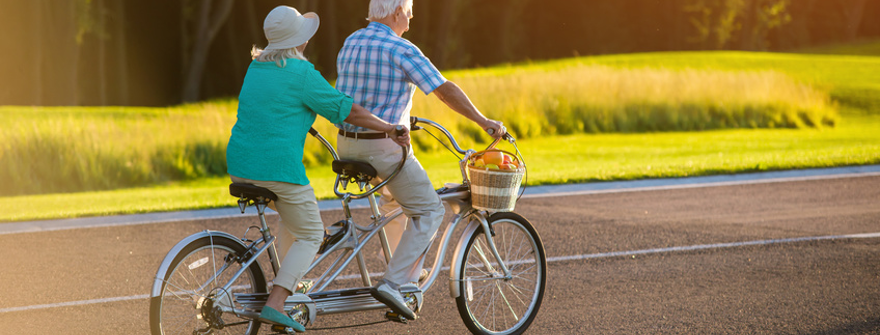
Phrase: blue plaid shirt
pixel 381 71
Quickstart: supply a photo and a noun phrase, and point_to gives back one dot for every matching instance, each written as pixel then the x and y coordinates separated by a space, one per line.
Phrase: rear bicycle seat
pixel 250 193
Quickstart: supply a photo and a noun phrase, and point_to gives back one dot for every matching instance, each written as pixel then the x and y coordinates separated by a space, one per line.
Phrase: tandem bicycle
pixel 212 282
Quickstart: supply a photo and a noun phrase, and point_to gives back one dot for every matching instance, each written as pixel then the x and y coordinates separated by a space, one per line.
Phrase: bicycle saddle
pixel 251 191
pixel 354 169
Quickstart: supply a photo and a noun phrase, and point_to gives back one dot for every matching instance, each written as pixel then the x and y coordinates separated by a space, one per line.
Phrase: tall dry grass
pixel 533 101
pixel 70 149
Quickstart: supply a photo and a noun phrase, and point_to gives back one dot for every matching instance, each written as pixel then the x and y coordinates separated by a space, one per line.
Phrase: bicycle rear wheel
pixel 192 294
pixel 490 303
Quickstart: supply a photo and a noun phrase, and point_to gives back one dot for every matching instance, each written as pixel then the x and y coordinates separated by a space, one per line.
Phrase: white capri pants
pixel 301 230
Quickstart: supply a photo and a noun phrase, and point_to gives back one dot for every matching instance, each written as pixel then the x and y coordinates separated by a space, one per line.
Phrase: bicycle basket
pixel 495 190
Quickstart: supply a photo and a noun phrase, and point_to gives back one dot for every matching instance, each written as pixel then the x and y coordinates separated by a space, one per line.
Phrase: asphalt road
pixel 777 258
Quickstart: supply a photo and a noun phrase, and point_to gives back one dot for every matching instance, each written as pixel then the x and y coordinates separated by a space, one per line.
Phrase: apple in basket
pixel 493 157
pixel 496 160
pixel 508 167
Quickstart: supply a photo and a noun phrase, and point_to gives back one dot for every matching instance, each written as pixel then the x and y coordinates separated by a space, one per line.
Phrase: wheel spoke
pixel 506 302
pixel 192 281
pixel 496 303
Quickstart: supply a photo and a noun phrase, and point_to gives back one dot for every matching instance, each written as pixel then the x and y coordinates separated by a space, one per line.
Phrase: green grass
pixel 861 48
pixel 76 149
pixel 551 160
pixel 179 148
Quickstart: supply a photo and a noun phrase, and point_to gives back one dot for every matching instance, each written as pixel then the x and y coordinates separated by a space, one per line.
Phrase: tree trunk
pixel 102 49
pixel 207 27
pixel 330 42
pixel 63 17
pixel 37 37
pixel 235 54
pixel 749 13
pixel 853 11
pixel 443 27
pixel 254 24
pixel 121 55
pixel 513 31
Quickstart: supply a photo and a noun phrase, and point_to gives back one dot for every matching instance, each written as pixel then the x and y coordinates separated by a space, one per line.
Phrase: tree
pixel 208 21
pixel 720 24
pixel 37 89
pixel 121 57
pixel 853 11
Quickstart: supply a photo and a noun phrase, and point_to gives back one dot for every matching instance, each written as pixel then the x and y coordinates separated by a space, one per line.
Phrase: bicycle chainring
pixel 300 313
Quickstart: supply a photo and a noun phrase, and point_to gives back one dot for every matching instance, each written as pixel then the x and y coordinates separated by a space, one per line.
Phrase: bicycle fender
pixel 455 270
pixel 163 268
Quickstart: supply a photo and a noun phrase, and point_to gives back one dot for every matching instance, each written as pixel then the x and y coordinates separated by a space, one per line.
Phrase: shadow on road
pixel 871 326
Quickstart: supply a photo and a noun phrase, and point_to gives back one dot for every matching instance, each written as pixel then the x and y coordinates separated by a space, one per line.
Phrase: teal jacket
pixel 276 108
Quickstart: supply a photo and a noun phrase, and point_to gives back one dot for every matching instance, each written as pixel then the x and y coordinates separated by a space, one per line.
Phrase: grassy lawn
pixel 551 160
pixel 569 156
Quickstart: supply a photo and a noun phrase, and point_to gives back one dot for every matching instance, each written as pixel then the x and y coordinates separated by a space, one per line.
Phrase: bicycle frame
pixel 356 237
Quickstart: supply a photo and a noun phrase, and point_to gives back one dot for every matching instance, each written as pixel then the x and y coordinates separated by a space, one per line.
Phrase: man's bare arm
pixel 457 100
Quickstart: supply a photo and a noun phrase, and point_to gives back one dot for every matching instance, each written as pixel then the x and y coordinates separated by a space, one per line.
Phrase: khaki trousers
pixel 301 230
pixel 415 194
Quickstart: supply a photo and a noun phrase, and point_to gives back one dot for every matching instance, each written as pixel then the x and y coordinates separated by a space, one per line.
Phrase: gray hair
pixel 380 9
pixel 278 56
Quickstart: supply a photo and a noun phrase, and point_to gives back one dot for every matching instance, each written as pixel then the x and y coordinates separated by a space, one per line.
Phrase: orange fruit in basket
pixel 493 157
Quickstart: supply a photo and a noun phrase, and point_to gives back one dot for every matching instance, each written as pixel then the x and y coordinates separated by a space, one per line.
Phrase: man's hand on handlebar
pixel 399 134
pixel 494 128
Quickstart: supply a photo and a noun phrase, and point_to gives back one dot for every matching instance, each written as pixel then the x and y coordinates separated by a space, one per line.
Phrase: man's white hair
pixel 380 9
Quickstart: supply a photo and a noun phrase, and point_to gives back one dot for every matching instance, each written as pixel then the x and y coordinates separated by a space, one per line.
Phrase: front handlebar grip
pixel 398 130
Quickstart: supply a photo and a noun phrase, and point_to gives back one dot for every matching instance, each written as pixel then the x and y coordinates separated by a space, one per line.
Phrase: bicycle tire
pixel 177 310
pixel 486 303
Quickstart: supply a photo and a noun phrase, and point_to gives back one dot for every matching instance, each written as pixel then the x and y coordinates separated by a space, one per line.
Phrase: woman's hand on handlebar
pixel 399 134
pixel 494 128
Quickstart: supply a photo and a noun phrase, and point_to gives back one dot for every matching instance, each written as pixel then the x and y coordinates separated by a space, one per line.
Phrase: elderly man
pixel 381 70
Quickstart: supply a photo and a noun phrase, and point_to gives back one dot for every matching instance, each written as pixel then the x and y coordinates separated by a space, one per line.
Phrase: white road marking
pixel 549 260
pixel 74 303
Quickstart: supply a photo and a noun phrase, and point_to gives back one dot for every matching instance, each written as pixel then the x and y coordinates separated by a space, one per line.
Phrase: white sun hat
pixel 285 28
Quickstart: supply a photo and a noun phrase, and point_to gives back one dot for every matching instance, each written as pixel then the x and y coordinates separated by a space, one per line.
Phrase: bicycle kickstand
pixel 391 316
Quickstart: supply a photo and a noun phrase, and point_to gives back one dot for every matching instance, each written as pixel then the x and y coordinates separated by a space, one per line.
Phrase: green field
pixel 759 111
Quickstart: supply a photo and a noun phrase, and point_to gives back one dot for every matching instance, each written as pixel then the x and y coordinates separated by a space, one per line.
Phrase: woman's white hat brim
pixel 286 29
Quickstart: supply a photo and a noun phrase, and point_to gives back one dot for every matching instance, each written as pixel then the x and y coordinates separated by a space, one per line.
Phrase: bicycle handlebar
pixel 414 125
pixel 414 121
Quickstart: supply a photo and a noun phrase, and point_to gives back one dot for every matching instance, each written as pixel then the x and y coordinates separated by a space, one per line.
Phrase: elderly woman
pixel 281 96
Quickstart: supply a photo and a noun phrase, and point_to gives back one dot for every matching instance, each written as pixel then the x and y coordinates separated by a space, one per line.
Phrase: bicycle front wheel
pixel 489 302
pixel 192 299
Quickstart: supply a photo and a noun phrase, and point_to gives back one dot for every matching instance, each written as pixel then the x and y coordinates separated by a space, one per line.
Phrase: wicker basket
pixel 495 190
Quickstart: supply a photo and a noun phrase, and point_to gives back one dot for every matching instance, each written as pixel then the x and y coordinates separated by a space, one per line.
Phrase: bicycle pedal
pixel 283 330
pixel 390 315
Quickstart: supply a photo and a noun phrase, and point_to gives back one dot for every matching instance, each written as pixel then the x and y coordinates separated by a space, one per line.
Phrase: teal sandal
pixel 272 316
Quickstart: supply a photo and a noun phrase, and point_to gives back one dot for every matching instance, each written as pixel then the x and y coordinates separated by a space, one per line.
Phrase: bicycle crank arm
pixel 298 306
